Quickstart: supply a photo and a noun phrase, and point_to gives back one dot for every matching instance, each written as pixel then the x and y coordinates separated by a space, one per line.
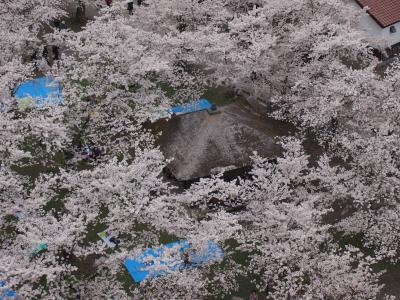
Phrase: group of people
pixel 50 54
pixel 90 151
pixel 130 4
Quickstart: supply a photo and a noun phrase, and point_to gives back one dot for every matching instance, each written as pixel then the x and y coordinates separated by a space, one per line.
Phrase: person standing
pixel 80 12
pixel 45 54
pixel 253 295
pixel 57 24
pixel 130 7
pixel 56 52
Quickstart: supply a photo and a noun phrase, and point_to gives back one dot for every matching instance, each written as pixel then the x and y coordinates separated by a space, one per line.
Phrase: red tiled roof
pixel 385 12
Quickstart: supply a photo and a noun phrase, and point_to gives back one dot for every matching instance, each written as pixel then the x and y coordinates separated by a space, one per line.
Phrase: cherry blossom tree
pixel 309 225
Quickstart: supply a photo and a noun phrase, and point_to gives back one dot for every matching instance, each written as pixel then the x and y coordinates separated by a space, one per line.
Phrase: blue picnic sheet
pixel 39 91
pixel 6 293
pixel 201 104
pixel 159 261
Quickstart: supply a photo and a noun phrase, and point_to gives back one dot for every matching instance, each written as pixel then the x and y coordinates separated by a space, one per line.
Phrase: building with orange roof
pixel 383 21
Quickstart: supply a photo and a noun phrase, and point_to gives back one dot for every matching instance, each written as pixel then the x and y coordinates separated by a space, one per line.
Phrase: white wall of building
pixel 378 36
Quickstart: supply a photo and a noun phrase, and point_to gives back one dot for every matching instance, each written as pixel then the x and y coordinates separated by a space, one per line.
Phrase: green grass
pixel 220 95
pixel 74 24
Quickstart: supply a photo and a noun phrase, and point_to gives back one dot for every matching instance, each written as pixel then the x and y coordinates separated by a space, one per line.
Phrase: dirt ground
pixel 201 143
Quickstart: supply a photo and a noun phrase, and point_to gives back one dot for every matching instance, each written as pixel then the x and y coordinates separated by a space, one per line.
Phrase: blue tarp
pixel 6 293
pixel 201 104
pixel 161 260
pixel 39 91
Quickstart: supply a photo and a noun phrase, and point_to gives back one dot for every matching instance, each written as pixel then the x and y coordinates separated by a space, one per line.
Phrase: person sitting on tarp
pixel 90 151
pixel 186 257
pixel 114 240
pixel 95 151
pixel 85 150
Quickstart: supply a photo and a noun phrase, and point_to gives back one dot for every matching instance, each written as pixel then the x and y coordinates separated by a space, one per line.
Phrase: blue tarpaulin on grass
pixel 161 260
pixel 6 293
pixel 201 104
pixel 39 91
